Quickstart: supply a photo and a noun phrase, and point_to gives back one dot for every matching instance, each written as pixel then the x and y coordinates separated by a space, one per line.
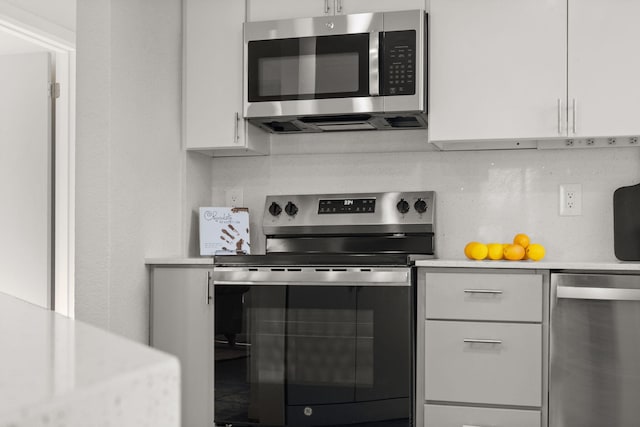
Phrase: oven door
pixel 310 66
pixel 314 347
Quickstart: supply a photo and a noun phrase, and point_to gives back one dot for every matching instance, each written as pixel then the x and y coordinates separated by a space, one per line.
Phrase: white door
pixel 266 10
pixel 497 69
pixel 604 81
pixel 363 6
pixel 25 177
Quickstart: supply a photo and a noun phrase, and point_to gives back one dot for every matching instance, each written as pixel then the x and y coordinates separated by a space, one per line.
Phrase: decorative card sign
pixel 224 231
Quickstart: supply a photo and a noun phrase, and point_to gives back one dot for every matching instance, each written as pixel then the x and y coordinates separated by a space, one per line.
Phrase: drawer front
pixel 481 296
pixel 460 416
pixel 485 363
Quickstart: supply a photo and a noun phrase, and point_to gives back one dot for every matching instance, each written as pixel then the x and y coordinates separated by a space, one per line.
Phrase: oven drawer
pixel 486 363
pixel 457 416
pixel 484 296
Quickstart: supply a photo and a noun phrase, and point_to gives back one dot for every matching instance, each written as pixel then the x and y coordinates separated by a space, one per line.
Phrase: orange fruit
pixel 479 251
pixel 535 251
pixel 513 252
pixel 468 247
pixel 496 251
pixel 521 239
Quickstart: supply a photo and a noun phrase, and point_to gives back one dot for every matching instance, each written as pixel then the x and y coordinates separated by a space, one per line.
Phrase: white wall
pixel 130 201
pixel 481 195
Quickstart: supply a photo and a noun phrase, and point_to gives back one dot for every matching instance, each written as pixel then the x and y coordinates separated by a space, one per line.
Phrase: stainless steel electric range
pixel 320 331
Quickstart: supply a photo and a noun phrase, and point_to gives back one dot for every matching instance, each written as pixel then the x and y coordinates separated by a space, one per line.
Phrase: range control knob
pixel 275 209
pixel 291 209
pixel 420 206
pixel 403 206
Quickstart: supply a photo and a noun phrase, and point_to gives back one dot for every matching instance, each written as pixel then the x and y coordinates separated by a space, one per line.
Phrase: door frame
pixel 62 45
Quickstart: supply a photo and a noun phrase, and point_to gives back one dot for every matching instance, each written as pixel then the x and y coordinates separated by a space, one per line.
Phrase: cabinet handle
pixel 470 425
pixel 327 8
pixel 208 287
pixel 339 6
pixel 482 291
pixel 575 108
pixel 481 341
pixel 235 128
pixel 559 116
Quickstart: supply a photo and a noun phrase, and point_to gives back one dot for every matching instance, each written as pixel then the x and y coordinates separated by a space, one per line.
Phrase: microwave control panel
pixel 398 63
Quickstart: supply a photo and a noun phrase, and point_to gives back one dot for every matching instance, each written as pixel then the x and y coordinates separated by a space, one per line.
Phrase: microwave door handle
pixel 374 63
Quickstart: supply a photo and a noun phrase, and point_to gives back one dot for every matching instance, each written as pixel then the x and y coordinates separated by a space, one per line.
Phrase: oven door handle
pixel 308 278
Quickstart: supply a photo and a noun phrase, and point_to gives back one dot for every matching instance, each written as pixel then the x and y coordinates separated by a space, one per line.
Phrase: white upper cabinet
pixel 213 85
pixel 526 69
pixel 264 10
pixel 603 63
pixel 497 69
pixel 361 6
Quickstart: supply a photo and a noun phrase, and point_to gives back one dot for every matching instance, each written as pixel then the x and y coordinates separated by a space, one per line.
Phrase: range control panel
pixel 340 206
pixel 402 212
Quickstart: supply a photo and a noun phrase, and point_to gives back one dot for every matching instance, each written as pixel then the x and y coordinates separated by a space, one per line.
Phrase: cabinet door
pixel 182 324
pixel 265 10
pixel 497 69
pixel 456 416
pixel 483 363
pixel 213 50
pixel 476 296
pixel 361 6
pixel 603 67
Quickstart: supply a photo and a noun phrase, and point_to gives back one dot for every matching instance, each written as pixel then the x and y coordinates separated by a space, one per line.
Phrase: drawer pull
pixel 480 341
pixel 482 291
pixel 470 425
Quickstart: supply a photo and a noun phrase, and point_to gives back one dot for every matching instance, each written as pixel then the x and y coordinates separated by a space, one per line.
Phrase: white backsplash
pixel 480 195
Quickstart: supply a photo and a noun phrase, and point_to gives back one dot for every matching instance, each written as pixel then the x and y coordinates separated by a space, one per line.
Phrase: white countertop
pixel 538 265
pixel 461 263
pixel 179 261
pixel 55 371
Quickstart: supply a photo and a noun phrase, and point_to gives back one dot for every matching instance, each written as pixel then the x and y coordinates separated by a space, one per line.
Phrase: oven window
pixel 308 68
pixel 330 347
pixel 307 355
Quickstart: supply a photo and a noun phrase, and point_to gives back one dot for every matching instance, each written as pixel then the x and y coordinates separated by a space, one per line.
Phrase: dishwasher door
pixel 595 350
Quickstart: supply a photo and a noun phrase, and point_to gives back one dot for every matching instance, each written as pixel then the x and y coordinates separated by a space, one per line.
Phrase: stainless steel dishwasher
pixel 595 350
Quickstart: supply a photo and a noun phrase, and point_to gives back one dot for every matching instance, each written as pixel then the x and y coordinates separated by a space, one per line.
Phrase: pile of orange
pixel 520 249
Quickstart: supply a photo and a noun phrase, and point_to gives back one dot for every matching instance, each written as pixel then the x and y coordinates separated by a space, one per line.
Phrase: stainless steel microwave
pixel 363 71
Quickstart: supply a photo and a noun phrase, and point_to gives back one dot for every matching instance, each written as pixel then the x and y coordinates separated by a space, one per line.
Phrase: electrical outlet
pixel 233 197
pixel 570 199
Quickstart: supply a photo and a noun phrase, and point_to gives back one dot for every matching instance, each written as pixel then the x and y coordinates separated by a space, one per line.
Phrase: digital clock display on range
pixel 340 206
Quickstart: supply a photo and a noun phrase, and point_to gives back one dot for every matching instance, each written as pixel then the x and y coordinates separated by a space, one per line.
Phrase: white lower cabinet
pixel 456 416
pixel 182 324
pixel 487 363
pixel 484 356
